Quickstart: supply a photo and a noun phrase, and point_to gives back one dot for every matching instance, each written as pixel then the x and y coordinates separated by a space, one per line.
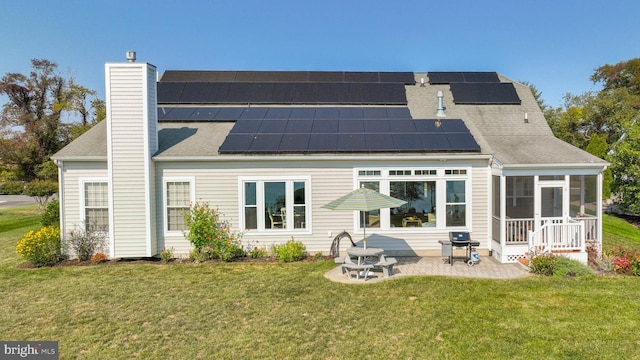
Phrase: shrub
pixel 210 235
pixel 198 255
pixel 570 267
pixel 318 256
pixel 544 264
pixel 98 258
pixel 51 215
pixel 254 251
pixel 166 255
pixel 290 251
pixel 12 188
pixel 41 190
pixel 42 247
pixel 625 261
pixel 83 243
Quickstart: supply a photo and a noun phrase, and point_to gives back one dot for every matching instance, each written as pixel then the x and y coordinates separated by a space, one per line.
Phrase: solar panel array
pixel 340 130
pixel 484 93
pixel 439 78
pixel 406 78
pixel 281 93
pixel 168 113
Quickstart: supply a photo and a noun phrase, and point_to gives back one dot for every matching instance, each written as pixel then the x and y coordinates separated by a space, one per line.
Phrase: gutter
pixel 323 157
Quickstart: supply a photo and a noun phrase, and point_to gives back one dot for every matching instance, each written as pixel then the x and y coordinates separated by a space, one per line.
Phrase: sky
pixel 553 44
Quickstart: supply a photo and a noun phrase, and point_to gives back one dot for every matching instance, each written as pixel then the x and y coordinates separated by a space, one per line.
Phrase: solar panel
pixel 448 77
pixel 407 142
pixel 374 113
pixel 283 93
pixel 351 126
pixel 246 127
pixel 361 77
pixel 299 126
pixel 239 93
pixel 351 142
pixel 326 76
pixel 462 142
pixel 484 93
pixel 266 143
pixel 327 113
pixel 402 126
pixel 378 142
pixel 169 92
pixel 273 126
pixel 351 113
pixel 180 114
pixel 429 126
pixel 407 78
pixel 230 113
pixel 377 126
pixel 294 143
pixel 323 142
pixel 204 114
pixel 195 92
pixel 435 142
pixel 303 113
pixel 254 113
pixel 278 113
pixel 398 113
pixel 235 143
pixel 261 93
pixel 325 126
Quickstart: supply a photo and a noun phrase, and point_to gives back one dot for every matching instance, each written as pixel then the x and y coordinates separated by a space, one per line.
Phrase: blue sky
pixel 553 44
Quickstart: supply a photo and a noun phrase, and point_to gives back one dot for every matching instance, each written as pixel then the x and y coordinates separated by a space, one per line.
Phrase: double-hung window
pixel 275 204
pixel 95 204
pixel 179 194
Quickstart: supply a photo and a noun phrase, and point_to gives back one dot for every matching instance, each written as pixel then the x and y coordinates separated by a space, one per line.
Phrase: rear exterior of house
pixel 467 151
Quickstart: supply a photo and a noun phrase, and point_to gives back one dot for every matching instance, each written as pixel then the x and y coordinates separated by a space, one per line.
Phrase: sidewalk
pixel 9 201
pixel 486 268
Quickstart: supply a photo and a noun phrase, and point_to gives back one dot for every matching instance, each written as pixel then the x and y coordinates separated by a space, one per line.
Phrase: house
pixel 468 151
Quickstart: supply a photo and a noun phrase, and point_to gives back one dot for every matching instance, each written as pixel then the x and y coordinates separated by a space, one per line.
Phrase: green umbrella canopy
pixel 364 199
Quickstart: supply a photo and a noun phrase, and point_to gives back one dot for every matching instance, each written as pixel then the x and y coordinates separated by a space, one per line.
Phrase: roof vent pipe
pixel 131 56
pixel 441 107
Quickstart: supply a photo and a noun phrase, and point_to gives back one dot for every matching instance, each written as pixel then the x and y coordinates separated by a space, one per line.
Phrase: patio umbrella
pixel 364 199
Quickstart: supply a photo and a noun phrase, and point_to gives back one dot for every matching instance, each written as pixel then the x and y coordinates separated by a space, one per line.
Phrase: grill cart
pixel 460 241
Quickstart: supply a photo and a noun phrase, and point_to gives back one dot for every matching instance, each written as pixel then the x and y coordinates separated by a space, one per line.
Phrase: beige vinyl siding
pixel 72 173
pixel 127 159
pixel 218 184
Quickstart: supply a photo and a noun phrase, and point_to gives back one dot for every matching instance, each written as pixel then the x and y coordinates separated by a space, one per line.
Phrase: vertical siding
pixel 129 157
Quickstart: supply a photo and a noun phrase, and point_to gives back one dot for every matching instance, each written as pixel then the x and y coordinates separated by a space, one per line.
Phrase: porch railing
pixel 559 236
pixel 517 231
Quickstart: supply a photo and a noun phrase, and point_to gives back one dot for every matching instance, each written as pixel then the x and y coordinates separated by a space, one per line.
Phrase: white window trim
pixel 192 198
pixel 81 195
pixel 289 180
pixel 441 193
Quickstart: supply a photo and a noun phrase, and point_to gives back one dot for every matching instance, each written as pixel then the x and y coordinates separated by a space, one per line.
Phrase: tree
pixel 31 121
pixel 598 147
pixel 625 74
pixel 625 165
pixel 41 190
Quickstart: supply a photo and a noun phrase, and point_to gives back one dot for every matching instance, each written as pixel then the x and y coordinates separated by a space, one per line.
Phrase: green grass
pixel 618 232
pixel 290 311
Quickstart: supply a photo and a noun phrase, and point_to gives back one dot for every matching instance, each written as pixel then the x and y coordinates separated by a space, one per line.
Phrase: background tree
pixel 31 121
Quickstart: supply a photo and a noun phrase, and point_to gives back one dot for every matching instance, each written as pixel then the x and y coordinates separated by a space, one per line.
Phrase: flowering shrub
pixel 211 235
pixel 98 258
pixel 625 261
pixel 544 264
pixel 42 247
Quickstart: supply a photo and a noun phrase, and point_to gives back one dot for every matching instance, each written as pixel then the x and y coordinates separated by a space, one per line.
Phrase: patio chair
pixel 277 221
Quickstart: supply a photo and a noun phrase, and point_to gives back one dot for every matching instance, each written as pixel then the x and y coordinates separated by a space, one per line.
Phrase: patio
pixel 487 268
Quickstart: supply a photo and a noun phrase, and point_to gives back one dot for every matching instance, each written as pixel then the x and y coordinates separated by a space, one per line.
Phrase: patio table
pixel 363 254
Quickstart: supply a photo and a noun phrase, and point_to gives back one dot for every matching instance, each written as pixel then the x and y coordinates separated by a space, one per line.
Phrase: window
pixel 178 197
pixel 276 205
pixel 456 203
pixel 95 205
pixel 436 197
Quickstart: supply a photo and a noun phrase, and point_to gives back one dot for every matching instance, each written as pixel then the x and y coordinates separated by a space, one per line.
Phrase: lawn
pixel 270 310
